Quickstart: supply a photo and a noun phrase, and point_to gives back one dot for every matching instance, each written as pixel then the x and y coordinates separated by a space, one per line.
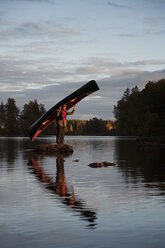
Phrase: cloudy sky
pixel 49 48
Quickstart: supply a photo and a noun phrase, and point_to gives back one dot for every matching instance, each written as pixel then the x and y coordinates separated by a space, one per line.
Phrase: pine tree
pixel 30 113
pixel 2 119
pixel 11 120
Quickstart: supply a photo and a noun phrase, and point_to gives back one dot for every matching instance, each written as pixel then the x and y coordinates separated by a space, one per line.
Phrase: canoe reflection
pixel 59 187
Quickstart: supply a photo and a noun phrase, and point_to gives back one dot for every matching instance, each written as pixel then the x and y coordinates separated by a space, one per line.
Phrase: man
pixel 61 122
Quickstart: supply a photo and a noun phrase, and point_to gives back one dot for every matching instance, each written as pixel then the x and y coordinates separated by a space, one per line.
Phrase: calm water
pixel 49 201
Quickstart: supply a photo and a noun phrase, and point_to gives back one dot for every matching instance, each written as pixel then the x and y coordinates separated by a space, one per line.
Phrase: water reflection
pixel 8 151
pixel 141 165
pixel 61 189
pixel 129 197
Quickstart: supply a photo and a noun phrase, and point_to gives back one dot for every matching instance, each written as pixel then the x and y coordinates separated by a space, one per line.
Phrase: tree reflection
pixel 8 151
pixel 141 165
pixel 60 188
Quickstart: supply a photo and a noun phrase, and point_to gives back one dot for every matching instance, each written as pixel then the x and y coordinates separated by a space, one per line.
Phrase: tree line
pixel 142 113
pixel 15 122
pixel 138 112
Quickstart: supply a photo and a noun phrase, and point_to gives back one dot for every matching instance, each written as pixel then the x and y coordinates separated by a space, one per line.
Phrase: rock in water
pixel 96 165
pixel 54 148
pixel 100 164
pixel 106 163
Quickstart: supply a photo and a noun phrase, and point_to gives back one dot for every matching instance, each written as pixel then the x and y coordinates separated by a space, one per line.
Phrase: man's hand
pixel 74 107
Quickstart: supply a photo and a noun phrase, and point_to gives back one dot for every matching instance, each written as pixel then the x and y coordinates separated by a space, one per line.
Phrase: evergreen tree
pixel 142 112
pixel 2 119
pixel 11 118
pixel 30 113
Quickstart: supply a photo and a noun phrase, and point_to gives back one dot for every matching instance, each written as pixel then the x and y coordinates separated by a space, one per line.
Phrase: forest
pixel 142 113
pixel 14 122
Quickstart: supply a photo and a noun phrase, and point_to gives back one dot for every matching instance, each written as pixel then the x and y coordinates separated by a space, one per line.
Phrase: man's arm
pixel 71 113
pixel 58 111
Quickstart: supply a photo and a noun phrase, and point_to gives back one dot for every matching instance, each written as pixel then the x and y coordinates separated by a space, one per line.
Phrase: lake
pixel 59 201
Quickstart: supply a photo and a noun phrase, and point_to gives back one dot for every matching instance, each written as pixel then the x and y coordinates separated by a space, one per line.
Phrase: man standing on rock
pixel 61 122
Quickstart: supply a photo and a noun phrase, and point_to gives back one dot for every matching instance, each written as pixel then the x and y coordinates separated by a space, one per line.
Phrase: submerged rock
pixel 101 164
pixel 54 148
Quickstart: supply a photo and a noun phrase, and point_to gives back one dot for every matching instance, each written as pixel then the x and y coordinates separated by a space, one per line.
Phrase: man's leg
pixel 58 135
pixel 62 134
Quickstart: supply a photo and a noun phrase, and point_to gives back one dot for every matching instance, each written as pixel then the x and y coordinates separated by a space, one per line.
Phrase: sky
pixel 49 48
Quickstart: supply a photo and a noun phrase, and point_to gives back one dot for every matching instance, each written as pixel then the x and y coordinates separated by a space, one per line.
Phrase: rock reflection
pixel 60 188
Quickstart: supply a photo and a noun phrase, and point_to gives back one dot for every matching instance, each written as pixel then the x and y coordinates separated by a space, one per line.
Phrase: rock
pixel 54 148
pixel 106 163
pixel 96 165
pixel 100 164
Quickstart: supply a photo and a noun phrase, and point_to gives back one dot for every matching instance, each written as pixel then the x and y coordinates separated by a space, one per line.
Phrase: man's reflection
pixel 59 187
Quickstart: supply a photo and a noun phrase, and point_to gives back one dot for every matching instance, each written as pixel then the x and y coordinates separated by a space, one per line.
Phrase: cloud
pixel 146 62
pixel 127 35
pixel 104 66
pixel 18 75
pixel 157 2
pixel 1 14
pixel 99 104
pixel 51 52
pixel 89 70
pixel 32 1
pixel 29 28
pixel 115 5
pixel 41 1
pixel 161 32
pixel 151 21
pixel 115 85
pixel 37 30
pixel 130 78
